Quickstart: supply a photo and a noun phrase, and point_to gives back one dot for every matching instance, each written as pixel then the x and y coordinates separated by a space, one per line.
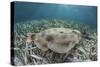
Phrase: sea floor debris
pixel 29 54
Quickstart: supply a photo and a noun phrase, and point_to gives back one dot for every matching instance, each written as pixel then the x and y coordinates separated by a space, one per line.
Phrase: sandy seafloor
pixel 85 51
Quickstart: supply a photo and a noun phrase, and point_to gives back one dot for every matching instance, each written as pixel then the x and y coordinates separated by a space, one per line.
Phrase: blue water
pixel 26 11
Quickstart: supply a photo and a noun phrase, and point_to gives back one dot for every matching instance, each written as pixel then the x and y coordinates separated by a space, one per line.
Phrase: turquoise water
pixel 26 11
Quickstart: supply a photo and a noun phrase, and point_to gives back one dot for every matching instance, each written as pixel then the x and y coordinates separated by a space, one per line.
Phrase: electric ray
pixel 60 40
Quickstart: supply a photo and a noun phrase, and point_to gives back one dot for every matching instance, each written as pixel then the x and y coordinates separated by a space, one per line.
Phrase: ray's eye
pixel 61 32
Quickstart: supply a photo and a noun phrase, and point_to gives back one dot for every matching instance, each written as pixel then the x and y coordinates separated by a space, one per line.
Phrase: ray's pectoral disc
pixel 59 40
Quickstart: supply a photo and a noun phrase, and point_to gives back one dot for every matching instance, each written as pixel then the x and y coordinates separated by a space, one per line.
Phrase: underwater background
pixel 25 11
pixel 36 17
